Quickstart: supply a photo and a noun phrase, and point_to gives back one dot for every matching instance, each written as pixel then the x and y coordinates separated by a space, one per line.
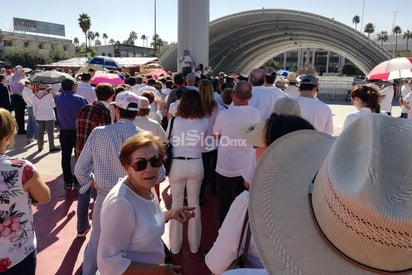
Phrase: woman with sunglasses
pixel 132 221
pixel 366 99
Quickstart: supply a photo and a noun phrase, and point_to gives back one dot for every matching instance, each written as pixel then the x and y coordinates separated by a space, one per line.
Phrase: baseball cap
pixel 309 79
pixel 124 99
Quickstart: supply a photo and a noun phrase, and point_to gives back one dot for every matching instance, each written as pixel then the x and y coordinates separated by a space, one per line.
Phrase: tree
pixel 369 29
pixel 76 41
pixel 157 42
pixel 143 38
pixel 407 35
pixel 396 31
pixel 97 42
pixel 112 41
pixel 104 36
pixel 26 57
pixel 383 37
pixel 85 24
pixel 90 36
pixel 132 38
pixel 356 20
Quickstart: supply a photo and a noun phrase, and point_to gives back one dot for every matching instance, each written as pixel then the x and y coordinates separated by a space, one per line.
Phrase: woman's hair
pixel 279 125
pixel 149 95
pixel 8 125
pixel 190 105
pixel 137 141
pixel 287 106
pixel 369 95
pixel 207 96
pixel 104 91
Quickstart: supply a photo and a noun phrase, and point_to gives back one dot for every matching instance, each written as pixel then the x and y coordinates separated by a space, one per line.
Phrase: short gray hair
pixel 287 106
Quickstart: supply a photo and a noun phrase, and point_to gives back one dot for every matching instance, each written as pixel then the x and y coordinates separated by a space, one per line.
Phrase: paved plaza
pixel 59 252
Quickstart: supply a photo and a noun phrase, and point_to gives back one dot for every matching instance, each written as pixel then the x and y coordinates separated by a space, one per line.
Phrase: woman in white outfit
pixel 186 172
pixel 366 99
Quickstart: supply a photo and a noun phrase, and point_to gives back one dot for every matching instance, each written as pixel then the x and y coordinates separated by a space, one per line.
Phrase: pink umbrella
pixel 400 67
pixel 113 79
pixel 156 73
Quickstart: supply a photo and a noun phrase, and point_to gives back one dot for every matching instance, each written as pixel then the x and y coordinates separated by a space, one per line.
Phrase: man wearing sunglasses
pixel 98 165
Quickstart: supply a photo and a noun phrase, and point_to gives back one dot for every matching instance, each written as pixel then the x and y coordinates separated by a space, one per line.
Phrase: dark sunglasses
pixel 141 164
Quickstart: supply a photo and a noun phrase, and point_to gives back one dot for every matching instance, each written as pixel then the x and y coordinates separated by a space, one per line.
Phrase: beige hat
pixel 291 78
pixel 144 103
pixel 319 206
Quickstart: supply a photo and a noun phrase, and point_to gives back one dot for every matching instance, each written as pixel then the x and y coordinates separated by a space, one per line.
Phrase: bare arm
pixel 38 190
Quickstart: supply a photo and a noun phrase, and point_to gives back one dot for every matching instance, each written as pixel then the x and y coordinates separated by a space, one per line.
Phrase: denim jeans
pixel 32 129
pixel 83 202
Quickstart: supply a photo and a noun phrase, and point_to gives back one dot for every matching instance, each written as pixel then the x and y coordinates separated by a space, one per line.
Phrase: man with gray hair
pixel 263 97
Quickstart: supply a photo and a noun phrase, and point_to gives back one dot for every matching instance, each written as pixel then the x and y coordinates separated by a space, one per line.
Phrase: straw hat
pixel 361 222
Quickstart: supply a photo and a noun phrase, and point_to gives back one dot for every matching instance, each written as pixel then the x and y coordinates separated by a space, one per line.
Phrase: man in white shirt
pixel 233 153
pixel 263 97
pixel 387 91
pixel 187 63
pixel 405 89
pixel 85 89
pixel 312 109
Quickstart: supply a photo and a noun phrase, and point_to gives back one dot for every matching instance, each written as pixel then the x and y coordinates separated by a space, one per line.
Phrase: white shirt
pixel 173 107
pixel 224 249
pixel 317 113
pixel 131 230
pixel 43 104
pixel 405 89
pixel 291 91
pixel 386 103
pixel 188 136
pixel 233 153
pixel 87 91
pixel 28 95
pixel 408 98
pixel 187 61
pixel 351 117
pixel 264 98
pixel 151 125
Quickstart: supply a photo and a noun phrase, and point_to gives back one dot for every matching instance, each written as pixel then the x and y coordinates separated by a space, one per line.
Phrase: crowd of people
pixel 222 129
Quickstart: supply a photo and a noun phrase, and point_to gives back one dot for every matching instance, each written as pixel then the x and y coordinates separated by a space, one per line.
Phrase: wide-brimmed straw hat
pixel 358 217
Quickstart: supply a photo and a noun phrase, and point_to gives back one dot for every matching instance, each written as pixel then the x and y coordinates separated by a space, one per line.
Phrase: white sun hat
pixel 358 218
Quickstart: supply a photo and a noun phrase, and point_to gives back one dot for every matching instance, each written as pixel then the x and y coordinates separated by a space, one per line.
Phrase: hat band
pixel 335 248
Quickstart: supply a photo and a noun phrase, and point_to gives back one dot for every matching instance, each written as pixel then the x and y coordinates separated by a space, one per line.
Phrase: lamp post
pixel 154 36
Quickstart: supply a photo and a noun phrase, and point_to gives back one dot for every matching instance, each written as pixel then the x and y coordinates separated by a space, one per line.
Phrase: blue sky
pixel 118 18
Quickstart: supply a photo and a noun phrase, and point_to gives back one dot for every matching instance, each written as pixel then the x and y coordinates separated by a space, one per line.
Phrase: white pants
pixel 186 174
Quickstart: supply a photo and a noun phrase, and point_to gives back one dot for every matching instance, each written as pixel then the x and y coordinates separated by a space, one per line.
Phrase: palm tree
pixel 96 35
pixel 369 29
pixel 104 36
pixel 97 42
pixel 85 24
pixel 76 41
pixel 156 43
pixel 383 37
pixel 407 35
pixel 90 36
pixel 112 42
pixel 396 31
pixel 132 37
pixel 144 38
pixel 356 20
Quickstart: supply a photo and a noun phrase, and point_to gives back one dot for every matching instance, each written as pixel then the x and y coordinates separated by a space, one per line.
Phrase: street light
pixel 155 38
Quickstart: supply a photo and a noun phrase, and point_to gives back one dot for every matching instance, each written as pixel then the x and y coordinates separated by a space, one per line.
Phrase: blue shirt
pixel 68 106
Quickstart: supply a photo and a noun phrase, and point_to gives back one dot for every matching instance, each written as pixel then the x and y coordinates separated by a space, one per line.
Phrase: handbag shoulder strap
pixel 246 250
pixel 171 127
pixel 245 222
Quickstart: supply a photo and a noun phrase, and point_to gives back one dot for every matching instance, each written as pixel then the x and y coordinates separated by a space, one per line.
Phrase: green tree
pixel 396 31
pixel 369 29
pixel 383 37
pixel 143 38
pixel 156 43
pixel 97 42
pixel 132 38
pixel 76 41
pixel 105 37
pixel 90 36
pixel 407 35
pixel 112 41
pixel 356 21
pixel 26 57
pixel 85 24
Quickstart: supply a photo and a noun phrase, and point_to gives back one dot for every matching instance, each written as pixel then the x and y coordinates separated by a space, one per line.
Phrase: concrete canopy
pixel 248 39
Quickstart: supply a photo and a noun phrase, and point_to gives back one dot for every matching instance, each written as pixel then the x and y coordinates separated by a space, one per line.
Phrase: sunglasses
pixel 141 164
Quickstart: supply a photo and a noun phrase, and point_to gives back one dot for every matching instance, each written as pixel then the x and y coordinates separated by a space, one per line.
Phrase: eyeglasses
pixel 141 164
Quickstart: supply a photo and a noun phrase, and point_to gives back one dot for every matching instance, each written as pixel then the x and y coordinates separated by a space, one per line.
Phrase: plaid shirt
pixel 89 117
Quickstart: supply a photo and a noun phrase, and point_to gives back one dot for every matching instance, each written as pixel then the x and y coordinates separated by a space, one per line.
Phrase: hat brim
pixel 254 134
pixel 286 237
